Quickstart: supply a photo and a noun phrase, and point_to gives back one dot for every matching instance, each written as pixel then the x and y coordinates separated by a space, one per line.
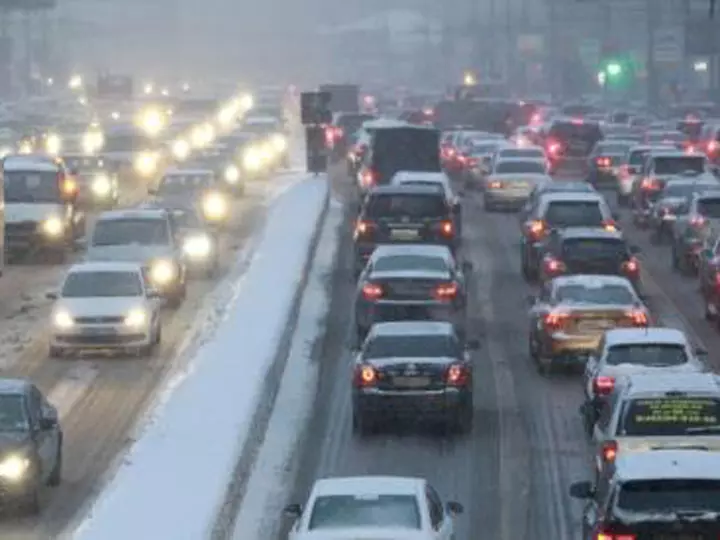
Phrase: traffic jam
pixel 131 207
pixel 611 221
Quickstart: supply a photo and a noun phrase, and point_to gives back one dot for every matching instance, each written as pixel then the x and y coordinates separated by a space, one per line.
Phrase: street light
pixel 469 79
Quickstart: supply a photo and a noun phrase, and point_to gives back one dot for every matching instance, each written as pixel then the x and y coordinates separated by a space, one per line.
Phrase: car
pixel 477 158
pixel 552 187
pixel 147 236
pixel 568 318
pixel 604 160
pixel 694 234
pixel 432 179
pixel 200 242
pixel 345 125
pixel 413 370
pixel 624 352
pixel 31 445
pixel 98 187
pixel 417 282
pixel 652 492
pixel 510 151
pixel 512 181
pixel 558 210
pixel 673 204
pixel 569 141
pixel 104 306
pixel 629 168
pixel 665 136
pixel 401 215
pixel 649 410
pixel 373 508
pixel 585 250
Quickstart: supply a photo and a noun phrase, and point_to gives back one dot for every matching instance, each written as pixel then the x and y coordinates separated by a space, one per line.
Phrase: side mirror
pixel 293 510
pixel 467 267
pixel 472 344
pixel 51 295
pixel 454 507
pixel 49 421
pixel 700 351
pixel 581 490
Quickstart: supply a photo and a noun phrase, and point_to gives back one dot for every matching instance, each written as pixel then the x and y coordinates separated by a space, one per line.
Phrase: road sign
pixel 668 45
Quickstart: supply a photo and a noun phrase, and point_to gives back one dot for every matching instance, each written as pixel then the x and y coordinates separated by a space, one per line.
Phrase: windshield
pixel 574 214
pixel 101 284
pixel 568 187
pixel 572 131
pixel 186 219
pixel 123 232
pixel 428 183
pixel 520 167
pixel 670 496
pixel 411 346
pixel 12 413
pixel 31 187
pixel 709 208
pixel 415 206
pixel 482 149
pixel 637 158
pixel 670 136
pixel 180 184
pixel 594 248
pixel 647 354
pixel 371 511
pixel 127 143
pixel 679 165
pixel 612 149
pixel 682 190
pixel 601 294
pixel 669 416
pixel 84 163
pixel 515 153
pixel 410 262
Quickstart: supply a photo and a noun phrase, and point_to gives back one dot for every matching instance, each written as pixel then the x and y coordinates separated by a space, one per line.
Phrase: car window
pixel 31 187
pixel 709 208
pixel 574 214
pixel 669 416
pixel 392 263
pixel 372 511
pixel 516 153
pixel 406 205
pixel 637 158
pixel 520 167
pixel 679 165
pixel 429 183
pixel 418 346
pixel 647 354
pixel 102 285
pixel 122 232
pixel 601 294
pixel 594 248
pixel 13 414
pixel 658 496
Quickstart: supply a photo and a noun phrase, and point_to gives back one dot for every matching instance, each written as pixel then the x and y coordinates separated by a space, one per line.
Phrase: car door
pixel 44 439
pixel 592 512
pixel 440 521
pixel 592 366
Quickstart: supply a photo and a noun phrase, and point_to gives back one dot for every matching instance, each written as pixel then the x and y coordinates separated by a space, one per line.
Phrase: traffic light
pixel 614 69
pixel 616 72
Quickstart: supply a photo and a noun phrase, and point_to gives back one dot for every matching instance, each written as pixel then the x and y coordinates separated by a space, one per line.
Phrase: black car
pixel 413 370
pixel 673 203
pixel 403 215
pixel 604 162
pixel 569 142
pixel 200 243
pixel 31 443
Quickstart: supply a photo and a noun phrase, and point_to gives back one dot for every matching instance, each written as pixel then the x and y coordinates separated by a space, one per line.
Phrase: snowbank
pixel 174 480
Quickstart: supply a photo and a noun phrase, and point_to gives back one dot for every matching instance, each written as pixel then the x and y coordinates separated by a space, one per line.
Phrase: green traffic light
pixel 614 69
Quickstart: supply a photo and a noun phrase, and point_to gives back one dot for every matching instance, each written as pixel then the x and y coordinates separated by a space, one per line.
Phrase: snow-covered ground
pixel 261 510
pixel 174 478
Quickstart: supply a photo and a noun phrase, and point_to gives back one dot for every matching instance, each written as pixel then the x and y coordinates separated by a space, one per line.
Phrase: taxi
pixel 571 314
pixel 650 411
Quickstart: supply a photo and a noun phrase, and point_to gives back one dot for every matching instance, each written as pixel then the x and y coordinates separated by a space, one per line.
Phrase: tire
pixel 463 421
pixel 55 477
pixel 176 300
pixel 57 256
pixel 544 365
pixel 158 335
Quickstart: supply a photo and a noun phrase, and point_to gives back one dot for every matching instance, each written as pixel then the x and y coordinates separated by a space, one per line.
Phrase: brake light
pixel 555 321
pixel 445 291
pixel 690 149
pixel 447 228
pixel 637 317
pixel 717 280
pixel 577 121
pixel 602 386
pixel 372 291
pixel 649 184
pixel 554 148
pixel 457 375
pixel 609 225
pixel 366 376
pixel 367 178
pixel 609 451
pixel 713 146
pixel 536 229
pixel 602 535
pixel 329 138
pixel 428 111
pixel 363 227
pixel 535 119
pixel 554 266
pixel 697 221
pixel 68 185
pixel 473 162
pixel 495 185
pixel 603 162
pixel 631 267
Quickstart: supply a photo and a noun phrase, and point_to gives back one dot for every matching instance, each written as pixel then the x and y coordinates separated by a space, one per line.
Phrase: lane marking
pixel 73 385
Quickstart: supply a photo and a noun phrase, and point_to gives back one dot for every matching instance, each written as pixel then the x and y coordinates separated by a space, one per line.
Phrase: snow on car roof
pixel 660 383
pixel 104 266
pixel 639 336
pixel 668 464
pixel 368 485
pixel 591 281
pixel 420 176
pixel 30 162
pixel 427 250
pixel 589 232
pixel 133 213
pixel 189 172
pixel 412 328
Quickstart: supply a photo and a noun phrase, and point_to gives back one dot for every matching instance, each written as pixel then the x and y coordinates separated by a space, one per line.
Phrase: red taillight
pixel 555 322
pixel 631 267
pixel 690 149
pixel 609 451
pixel 535 119
pixel 363 228
pixel 367 178
pixel 473 162
pixel 637 317
pixel 713 147
pixel 697 221
pixel 624 170
pixel 445 291
pixel 372 291
pixel 610 225
pixel 554 148
pixel 536 229
pixel 495 184
pixel 365 376
pixel 457 375
pixel 447 228
pixel 554 266
pixel 603 161
pixel 649 184
pixel 602 386
pixel 603 535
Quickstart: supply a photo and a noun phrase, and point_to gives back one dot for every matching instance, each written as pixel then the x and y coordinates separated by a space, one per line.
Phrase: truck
pixel 343 97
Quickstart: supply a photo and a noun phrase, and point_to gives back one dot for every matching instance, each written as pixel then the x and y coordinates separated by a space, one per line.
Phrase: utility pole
pixel 510 43
pixel 651 68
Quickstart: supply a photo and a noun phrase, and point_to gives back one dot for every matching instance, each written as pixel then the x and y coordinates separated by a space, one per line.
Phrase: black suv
pixel 403 215
pixel 570 142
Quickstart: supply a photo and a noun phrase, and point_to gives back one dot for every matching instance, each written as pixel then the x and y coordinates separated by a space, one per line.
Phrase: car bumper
pixel 367 314
pixel 88 337
pixel 410 404
pixel 574 347
pixel 22 241
pixel 506 198
pixel 603 177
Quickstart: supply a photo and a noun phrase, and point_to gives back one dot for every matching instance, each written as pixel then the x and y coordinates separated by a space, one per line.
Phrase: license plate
pixel 594 326
pixel 411 382
pixel 405 234
pixel 99 331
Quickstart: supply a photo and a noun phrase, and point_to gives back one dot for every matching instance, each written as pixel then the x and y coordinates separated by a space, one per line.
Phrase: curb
pixel 235 492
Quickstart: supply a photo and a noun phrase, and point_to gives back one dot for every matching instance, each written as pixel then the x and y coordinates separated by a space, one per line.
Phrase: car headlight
pixel 63 319
pixel 279 142
pixel 101 185
pixel 14 467
pixel 146 164
pixel 163 272
pixel 247 102
pixel 252 160
pixel 136 318
pixel 232 174
pixel 53 226
pixel 215 206
pixel 181 149
pixel 197 247
pixel 53 144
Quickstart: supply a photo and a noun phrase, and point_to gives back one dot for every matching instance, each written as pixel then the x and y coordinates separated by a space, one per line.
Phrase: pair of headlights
pixel 215 207
pixel 146 163
pixel 197 246
pixel 135 318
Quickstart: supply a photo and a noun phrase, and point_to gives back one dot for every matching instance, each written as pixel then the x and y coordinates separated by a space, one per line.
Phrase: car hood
pixel 365 533
pixel 99 307
pixel 13 441
pixel 128 253
pixel 19 212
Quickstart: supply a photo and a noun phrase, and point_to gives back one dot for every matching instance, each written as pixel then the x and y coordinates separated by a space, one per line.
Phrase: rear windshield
pixel 670 136
pixel 647 354
pixel 679 165
pixel 594 248
pixel 566 131
pixel 610 149
pixel 411 346
pixel 669 416
pixel 407 205
pixel 684 190
pixel 520 167
pixel 574 214
pixel 637 157
pixel 393 263
pixel 691 129
pixel 515 153
pixel 670 497
pixel 602 294
pixel 350 123
pixel 709 208
pixel 341 512
pixel 482 148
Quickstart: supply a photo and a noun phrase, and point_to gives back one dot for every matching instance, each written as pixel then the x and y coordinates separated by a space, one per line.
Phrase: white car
pixel 373 508
pixel 512 181
pixel 104 306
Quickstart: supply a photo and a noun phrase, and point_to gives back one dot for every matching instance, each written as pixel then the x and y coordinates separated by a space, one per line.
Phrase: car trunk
pixel 411 373
pixel 408 286
pixel 405 149
pixel 394 230
pixel 592 320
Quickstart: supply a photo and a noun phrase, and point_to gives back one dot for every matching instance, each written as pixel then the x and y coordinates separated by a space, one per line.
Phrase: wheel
pixel 56 475
pixel 544 365
pixel 55 352
pixel 176 300
pixel 463 420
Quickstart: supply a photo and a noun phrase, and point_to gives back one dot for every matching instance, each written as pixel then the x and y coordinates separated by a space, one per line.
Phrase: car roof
pixel 351 485
pixel 406 190
pixel 133 213
pixel 412 328
pixel 651 147
pixel 588 232
pixel 666 464
pixel 571 196
pixel 187 172
pixel 639 336
pixel 567 187
pixel 709 194
pixel 429 250
pixel 658 384
pixel 32 162
pixel 9 385
pixel 420 176
pixel 673 154
pixel 520 159
pixel 591 280
pixel 103 266
pixel 528 149
pixel 694 180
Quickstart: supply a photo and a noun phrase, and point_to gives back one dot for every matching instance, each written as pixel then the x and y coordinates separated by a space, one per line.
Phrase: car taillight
pixel 717 280
pixel 367 178
pixel 713 147
pixel 690 149
pixel 495 185
pixel 554 266
pixel 445 291
pixel 697 221
pixel 609 451
pixel 329 138
pixel 603 161
pixel 365 375
pixel 610 225
pixel 372 291
pixel 631 267
pixel 364 228
pixel 555 322
pixel 603 535
pixel 536 229
pixel 649 184
pixel 446 228
pixel 637 317
pixel 457 375
pixel 554 148
pixel 602 386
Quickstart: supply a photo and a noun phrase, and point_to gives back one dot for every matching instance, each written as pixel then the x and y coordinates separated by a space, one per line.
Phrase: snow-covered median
pixel 175 477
